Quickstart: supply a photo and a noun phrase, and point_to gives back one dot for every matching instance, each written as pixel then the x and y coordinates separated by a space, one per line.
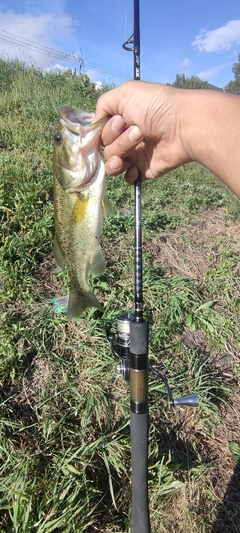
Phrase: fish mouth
pixel 81 138
pixel 80 122
pixel 75 116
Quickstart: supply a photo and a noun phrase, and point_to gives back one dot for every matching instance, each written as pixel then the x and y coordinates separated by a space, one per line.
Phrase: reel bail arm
pixel 121 350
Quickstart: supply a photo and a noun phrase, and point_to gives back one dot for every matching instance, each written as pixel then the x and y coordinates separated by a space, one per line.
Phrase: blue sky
pixel 198 38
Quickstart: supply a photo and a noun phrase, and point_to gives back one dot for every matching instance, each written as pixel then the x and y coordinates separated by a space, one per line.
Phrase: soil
pixel 193 251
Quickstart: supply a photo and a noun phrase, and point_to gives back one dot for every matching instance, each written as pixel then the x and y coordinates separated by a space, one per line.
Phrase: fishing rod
pixel 139 333
pixel 130 345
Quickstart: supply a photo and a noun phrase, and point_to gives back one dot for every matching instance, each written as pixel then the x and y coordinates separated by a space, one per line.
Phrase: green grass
pixel 64 429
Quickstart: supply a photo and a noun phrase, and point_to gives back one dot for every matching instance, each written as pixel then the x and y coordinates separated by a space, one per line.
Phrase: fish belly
pixel 84 253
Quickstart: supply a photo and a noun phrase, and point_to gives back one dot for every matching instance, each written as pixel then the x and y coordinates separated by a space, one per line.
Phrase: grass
pixel 64 428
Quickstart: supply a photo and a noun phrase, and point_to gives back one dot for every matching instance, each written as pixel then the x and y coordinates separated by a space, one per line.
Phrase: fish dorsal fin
pixel 98 265
pixel 108 207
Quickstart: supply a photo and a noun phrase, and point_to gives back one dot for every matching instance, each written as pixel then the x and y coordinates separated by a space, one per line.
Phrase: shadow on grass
pixel 228 512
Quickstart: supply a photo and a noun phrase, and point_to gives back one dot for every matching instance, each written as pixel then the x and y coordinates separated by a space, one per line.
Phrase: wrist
pixel 204 118
pixel 191 117
pixel 210 132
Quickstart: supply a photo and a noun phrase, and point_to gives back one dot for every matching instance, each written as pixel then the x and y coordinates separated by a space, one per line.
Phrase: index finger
pixel 110 103
pixel 106 105
pixel 112 129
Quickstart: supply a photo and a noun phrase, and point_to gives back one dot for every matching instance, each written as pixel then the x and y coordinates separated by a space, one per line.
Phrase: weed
pixel 64 429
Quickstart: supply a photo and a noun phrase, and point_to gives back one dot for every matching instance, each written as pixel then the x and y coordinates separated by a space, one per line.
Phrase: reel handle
pixel 191 401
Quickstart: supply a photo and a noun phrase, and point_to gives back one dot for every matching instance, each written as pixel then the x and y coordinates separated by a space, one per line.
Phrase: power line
pixel 26 43
pixel 106 69
pixel 57 54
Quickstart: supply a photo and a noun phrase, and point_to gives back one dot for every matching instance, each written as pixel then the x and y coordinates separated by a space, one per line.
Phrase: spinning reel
pixel 119 342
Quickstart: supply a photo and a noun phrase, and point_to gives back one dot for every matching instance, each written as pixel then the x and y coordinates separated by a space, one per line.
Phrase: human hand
pixel 145 132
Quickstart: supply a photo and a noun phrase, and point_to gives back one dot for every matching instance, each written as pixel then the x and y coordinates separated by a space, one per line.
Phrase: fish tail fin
pixel 78 302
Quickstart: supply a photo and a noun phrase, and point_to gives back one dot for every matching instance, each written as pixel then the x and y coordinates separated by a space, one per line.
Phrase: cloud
pixel 93 74
pixel 23 30
pixel 98 84
pixel 36 7
pixel 57 68
pixel 222 38
pixel 210 74
pixel 185 66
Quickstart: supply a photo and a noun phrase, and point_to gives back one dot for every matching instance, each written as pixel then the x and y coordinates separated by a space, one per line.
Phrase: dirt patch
pixel 194 250
pixel 190 251
pixel 47 283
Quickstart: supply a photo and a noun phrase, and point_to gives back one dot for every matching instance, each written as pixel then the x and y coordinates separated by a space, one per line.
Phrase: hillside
pixel 64 441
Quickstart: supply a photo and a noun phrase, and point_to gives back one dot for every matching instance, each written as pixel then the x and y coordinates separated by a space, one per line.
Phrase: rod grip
pixel 140 522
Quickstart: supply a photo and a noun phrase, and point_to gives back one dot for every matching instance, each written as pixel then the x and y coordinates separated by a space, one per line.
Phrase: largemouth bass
pixel 79 204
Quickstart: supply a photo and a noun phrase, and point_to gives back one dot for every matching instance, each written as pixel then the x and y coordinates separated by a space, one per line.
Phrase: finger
pixel 131 174
pixel 125 143
pixel 110 103
pixel 116 165
pixel 113 128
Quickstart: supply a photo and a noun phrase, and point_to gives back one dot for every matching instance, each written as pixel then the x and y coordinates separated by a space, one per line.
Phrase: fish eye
pixel 58 138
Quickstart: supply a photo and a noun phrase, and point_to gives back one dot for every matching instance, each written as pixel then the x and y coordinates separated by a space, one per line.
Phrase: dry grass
pixel 64 411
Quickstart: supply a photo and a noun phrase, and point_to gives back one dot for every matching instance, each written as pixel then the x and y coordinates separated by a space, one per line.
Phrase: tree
pixel 179 81
pixel 234 85
pixel 190 83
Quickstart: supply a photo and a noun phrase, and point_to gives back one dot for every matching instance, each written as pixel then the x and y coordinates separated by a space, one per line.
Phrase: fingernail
pixel 114 164
pixel 135 134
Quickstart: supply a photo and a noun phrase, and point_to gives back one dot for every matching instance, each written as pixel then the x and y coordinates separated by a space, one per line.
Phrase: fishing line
pixel 67 57
pixel 130 345
pixel 125 37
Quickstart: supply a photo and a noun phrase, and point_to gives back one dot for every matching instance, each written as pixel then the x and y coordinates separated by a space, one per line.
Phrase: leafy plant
pixel 64 430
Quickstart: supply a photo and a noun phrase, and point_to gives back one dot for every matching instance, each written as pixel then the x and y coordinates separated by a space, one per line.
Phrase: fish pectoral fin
pixel 78 302
pixel 108 207
pixel 59 257
pixel 98 265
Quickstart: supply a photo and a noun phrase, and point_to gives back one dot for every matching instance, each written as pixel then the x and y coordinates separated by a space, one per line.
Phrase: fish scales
pixel 79 204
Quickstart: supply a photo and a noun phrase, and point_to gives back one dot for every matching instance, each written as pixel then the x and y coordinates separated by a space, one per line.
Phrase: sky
pixel 200 38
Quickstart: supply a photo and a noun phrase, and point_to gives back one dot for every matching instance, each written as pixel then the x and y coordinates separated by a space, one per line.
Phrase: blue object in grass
pixel 60 304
